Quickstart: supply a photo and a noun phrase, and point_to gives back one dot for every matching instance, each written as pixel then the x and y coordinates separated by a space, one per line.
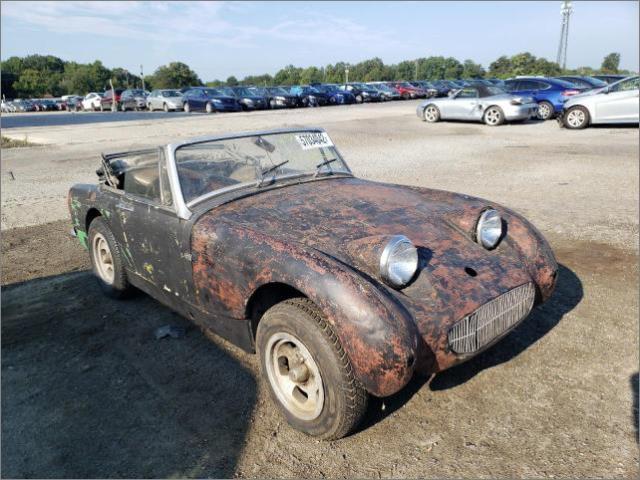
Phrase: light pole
pixel 346 75
pixel 142 77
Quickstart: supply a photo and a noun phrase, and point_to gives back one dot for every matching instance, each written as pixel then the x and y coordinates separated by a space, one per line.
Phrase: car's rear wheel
pixel 107 260
pixel 494 116
pixel 187 107
pixel 576 118
pixel 545 110
pixel 431 113
pixel 309 375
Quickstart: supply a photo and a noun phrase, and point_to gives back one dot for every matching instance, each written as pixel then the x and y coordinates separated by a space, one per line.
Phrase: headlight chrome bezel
pixel 392 249
pixel 489 219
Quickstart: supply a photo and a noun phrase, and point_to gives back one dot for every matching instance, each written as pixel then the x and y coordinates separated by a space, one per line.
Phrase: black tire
pixel 345 400
pixel 120 286
pixel 493 116
pixel 576 118
pixel 545 110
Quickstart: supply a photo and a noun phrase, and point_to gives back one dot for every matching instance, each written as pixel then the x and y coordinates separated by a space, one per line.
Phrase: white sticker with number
pixel 314 140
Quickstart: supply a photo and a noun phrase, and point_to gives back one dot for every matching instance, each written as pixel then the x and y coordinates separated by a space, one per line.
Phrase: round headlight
pixel 489 230
pixel 399 261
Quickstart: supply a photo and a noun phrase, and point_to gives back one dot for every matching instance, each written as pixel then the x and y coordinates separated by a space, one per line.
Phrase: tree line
pixel 46 75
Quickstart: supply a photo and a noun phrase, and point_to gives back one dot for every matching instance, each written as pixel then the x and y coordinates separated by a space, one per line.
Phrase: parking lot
pixel 87 391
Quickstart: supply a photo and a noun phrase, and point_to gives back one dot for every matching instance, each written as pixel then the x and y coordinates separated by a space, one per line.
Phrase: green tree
pixel 215 83
pixel 311 75
pixel 452 68
pixel 31 83
pixel 501 68
pixel 289 75
pixel 523 64
pixel 611 63
pixel 232 81
pixel 174 75
pixel 470 69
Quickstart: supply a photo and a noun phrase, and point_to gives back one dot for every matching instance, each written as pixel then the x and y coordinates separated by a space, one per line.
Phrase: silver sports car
pixel 481 103
pixel 615 103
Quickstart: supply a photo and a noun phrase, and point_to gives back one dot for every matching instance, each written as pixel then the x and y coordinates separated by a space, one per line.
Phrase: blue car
pixel 209 100
pixel 549 93
pixel 335 96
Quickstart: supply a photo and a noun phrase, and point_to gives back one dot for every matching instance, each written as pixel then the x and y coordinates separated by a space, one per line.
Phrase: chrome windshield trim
pixel 174 181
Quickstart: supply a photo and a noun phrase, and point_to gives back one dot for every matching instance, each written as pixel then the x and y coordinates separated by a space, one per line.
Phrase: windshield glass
pixel 228 91
pixel 278 91
pixel 257 91
pixel 171 93
pixel 211 92
pixel 244 92
pixel 256 161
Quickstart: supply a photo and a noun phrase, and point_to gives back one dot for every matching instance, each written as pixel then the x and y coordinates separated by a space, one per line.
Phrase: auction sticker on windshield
pixel 314 140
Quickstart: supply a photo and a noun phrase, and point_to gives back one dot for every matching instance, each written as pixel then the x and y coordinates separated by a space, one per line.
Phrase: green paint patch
pixel 106 213
pixel 82 238
pixel 149 268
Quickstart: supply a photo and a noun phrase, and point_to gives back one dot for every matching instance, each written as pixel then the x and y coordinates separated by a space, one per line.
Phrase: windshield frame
pixel 185 209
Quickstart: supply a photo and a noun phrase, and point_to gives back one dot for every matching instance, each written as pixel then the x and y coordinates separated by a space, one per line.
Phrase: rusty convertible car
pixel 344 287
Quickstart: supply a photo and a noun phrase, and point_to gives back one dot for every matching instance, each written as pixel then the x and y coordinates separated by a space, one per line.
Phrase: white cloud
pixel 186 22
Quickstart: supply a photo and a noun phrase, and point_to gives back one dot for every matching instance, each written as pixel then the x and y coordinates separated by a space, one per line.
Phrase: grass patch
pixel 12 143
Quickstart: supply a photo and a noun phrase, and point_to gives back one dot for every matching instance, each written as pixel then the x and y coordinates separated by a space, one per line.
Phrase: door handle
pixel 125 206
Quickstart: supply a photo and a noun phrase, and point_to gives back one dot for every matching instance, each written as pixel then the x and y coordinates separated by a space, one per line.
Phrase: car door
pixel 148 225
pixel 463 105
pixel 620 104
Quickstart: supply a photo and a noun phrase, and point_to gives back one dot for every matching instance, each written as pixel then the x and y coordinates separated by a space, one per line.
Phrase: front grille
pixel 491 320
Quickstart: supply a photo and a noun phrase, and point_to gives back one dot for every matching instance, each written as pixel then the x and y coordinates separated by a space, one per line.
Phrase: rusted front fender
pixel 230 262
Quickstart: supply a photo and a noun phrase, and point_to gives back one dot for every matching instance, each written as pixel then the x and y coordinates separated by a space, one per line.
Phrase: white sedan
pixel 615 103
pixel 91 101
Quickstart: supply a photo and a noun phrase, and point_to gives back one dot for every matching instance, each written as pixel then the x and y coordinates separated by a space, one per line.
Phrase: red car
pixel 106 100
pixel 408 91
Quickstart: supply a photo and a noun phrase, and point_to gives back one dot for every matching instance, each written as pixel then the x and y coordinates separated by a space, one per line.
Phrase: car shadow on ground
pixel 634 399
pixel 566 297
pixel 89 392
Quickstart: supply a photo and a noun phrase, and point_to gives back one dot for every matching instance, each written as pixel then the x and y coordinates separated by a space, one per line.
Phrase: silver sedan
pixel 615 103
pixel 165 100
pixel 480 103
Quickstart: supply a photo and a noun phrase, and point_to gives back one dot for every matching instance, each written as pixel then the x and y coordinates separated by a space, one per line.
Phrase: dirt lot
pixel 87 391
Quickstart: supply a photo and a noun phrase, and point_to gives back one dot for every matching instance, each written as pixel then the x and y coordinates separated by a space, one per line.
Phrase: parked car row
pixel 576 101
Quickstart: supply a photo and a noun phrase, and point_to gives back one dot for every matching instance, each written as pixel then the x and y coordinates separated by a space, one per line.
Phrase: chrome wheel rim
pixel 187 108
pixel 294 376
pixel 543 111
pixel 431 113
pixel 209 108
pixel 102 258
pixel 493 116
pixel 575 118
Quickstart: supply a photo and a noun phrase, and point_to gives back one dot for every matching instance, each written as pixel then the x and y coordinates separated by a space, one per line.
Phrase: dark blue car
pixel 335 96
pixel 549 93
pixel 309 96
pixel 209 100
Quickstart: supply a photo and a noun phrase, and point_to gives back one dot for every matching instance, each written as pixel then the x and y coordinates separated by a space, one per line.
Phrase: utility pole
pixel 415 77
pixel 565 10
pixel 142 77
pixel 346 75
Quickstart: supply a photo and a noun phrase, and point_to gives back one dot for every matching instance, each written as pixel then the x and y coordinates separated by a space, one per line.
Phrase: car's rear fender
pixel 231 262
pixel 81 201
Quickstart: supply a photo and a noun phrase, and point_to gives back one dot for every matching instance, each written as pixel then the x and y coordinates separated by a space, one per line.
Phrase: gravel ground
pixel 88 392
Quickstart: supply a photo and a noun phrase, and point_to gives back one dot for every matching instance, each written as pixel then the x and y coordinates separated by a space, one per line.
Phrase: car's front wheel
pixel 576 118
pixel 187 107
pixel 309 374
pixel 545 110
pixel 209 107
pixel 493 116
pixel 107 260
pixel 431 113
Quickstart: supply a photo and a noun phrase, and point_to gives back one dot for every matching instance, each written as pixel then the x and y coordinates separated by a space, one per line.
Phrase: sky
pixel 218 39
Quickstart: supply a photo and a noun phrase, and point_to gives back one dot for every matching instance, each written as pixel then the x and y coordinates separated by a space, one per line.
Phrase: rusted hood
pixel 335 214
